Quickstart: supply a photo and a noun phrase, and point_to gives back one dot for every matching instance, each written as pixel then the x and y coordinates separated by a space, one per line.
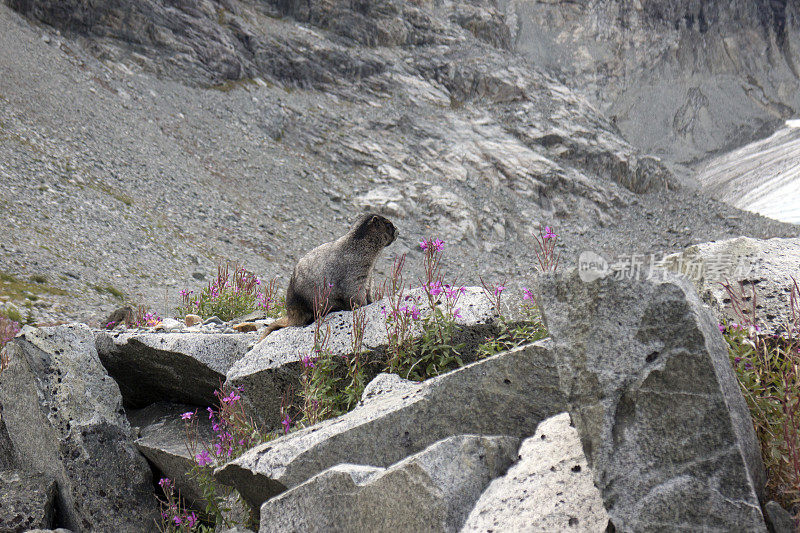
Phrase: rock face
pixel 681 79
pixel 550 488
pixel 432 490
pixel 273 366
pixel 767 266
pixel 26 501
pixel 64 417
pixel 650 389
pixel 8 457
pixel 507 394
pixel 181 367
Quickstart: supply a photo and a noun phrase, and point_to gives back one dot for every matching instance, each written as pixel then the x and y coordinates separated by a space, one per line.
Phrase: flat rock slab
pixel 550 488
pixel 432 490
pixel 766 265
pixel 176 367
pixel 26 501
pixel 274 366
pixel 64 417
pixel 662 421
pixel 507 394
pixel 163 440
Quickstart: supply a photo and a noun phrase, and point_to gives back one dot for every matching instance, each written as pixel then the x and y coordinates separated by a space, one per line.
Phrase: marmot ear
pixel 374 219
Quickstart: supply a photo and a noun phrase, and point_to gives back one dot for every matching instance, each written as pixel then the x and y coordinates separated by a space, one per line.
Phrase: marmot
pixel 346 264
pixel 120 316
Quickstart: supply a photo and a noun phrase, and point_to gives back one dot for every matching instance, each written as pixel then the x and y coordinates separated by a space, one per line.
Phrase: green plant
pixel 232 294
pixel 234 433
pixel 421 343
pixel 512 334
pixel 8 330
pixel 767 367
pixel 116 293
pixel 330 384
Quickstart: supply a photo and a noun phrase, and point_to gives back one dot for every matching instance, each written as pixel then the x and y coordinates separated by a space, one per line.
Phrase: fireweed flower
pixel 178 521
pixel 414 312
pixel 231 398
pixel 210 413
pixel 187 415
pixel 721 328
pixel 191 520
pixel 526 294
pixel 548 233
pixel 498 290
pixel 164 483
pixel 287 424
pixel 308 362
pixel 435 288
pixel 203 458
pixel 457 313
pixel 438 244
pixel 423 244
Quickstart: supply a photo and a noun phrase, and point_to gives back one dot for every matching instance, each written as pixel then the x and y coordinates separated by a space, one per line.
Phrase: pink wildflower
pixel 203 458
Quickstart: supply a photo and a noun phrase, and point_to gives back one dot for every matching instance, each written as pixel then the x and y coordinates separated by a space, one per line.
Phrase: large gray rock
pixel 64 417
pixel 274 366
pixel 764 265
pixel 163 440
pixel 652 393
pixel 507 394
pixel 550 488
pixel 432 490
pixel 179 367
pixel 26 501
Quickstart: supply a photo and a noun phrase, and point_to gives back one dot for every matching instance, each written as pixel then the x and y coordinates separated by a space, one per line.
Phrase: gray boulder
pixel 432 490
pixel 652 393
pixel 178 367
pixel 550 488
pixel 26 501
pixel 64 418
pixel 764 265
pixel 507 394
pixel 162 439
pixel 274 366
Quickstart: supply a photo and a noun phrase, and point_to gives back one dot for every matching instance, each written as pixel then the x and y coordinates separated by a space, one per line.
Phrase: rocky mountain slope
pixel 681 79
pixel 141 143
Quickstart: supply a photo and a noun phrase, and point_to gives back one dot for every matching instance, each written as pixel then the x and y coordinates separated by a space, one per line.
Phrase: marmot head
pixel 375 228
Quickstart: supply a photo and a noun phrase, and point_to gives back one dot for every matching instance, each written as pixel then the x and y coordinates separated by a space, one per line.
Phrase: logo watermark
pixel 592 266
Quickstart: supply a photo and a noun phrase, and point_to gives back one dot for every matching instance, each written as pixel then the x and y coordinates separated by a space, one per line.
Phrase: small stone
pixel 245 327
pixel 170 325
pixel 778 517
pixel 191 320
pixel 213 320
